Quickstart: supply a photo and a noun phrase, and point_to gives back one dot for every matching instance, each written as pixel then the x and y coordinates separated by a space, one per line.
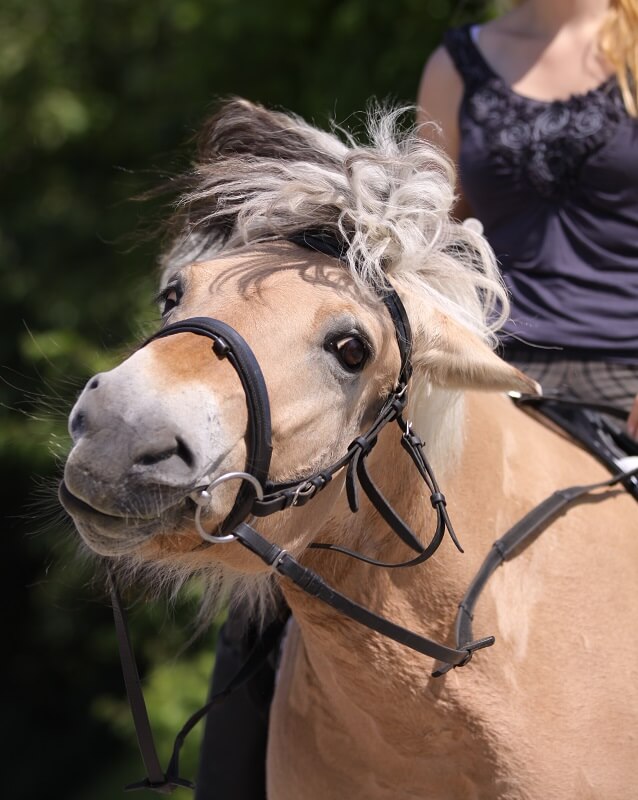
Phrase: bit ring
pixel 205 496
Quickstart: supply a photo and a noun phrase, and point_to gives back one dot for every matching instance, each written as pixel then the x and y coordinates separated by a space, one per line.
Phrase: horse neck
pixel 417 597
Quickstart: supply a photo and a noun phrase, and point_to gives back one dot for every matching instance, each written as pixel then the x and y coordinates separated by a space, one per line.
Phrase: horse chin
pixel 118 535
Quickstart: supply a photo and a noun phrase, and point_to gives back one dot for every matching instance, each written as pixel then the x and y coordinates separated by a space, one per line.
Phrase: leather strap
pixel 414 446
pixel 228 343
pixel 531 525
pixel 541 400
pixel 328 243
pixel 157 780
pixel 312 584
pixel 589 428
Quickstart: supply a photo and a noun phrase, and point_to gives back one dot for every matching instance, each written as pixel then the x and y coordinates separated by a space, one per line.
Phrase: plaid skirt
pixel 597 380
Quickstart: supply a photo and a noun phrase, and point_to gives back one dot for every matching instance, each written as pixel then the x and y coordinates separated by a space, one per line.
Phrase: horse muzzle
pixel 141 447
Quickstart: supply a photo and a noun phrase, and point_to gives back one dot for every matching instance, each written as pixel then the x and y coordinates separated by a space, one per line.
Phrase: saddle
pixel 596 427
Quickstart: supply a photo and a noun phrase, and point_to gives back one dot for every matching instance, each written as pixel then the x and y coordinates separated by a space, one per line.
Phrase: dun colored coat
pixel 551 711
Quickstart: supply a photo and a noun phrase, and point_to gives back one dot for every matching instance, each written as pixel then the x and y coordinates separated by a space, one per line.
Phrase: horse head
pixel 173 417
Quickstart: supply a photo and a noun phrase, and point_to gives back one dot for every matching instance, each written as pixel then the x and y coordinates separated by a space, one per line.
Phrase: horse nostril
pixel 94 383
pixel 77 424
pixel 179 449
pixel 184 452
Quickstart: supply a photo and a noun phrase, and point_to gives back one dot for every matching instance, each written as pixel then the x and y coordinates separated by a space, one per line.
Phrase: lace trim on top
pixel 545 142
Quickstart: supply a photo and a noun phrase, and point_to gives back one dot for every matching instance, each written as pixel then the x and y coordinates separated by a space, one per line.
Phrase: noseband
pixel 229 344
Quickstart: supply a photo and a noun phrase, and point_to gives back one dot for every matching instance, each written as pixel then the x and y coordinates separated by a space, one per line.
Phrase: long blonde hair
pixel 619 44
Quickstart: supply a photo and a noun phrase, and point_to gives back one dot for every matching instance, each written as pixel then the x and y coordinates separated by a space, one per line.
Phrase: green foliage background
pixel 98 99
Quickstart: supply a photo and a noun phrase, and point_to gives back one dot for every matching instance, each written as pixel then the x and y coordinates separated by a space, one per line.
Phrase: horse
pixel 164 445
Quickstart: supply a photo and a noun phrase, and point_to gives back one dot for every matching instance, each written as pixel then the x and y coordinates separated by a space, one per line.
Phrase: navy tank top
pixel 555 185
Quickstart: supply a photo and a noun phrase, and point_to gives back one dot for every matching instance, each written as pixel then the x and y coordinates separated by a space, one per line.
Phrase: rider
pixel 539 109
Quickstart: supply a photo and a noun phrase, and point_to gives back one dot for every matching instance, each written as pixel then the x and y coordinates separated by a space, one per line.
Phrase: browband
pixel 327 243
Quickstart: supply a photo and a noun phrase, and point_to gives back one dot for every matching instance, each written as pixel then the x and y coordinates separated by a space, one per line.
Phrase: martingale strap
pixel 536 520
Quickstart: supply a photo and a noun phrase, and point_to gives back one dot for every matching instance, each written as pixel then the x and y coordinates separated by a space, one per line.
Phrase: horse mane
pixel 261 175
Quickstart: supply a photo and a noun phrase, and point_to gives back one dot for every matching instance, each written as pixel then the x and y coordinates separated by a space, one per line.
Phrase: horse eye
pixel 169 298
pixel 352 352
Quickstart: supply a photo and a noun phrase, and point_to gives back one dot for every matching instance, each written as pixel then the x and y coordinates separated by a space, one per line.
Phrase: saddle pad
pixel 600 434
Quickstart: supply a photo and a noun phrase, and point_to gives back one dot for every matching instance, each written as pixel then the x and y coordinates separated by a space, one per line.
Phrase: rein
pixel 258 497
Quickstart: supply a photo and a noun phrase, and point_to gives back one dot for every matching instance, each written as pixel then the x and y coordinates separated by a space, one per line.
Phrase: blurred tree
pixel 97 101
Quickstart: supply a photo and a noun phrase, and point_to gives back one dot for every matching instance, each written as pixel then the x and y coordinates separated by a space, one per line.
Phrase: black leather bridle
pixel 229 344
pixel 272 497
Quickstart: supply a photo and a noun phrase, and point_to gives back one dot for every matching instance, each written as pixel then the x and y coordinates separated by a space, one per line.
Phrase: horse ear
pixel 453 357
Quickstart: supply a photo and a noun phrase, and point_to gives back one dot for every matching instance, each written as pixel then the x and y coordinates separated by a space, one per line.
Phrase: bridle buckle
pixel 305 490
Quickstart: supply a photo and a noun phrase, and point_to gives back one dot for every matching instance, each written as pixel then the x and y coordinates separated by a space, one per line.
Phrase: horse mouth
pixel 111 534
pixel 76 507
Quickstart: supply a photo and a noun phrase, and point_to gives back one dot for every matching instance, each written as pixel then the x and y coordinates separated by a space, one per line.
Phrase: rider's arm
pixel 438 101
